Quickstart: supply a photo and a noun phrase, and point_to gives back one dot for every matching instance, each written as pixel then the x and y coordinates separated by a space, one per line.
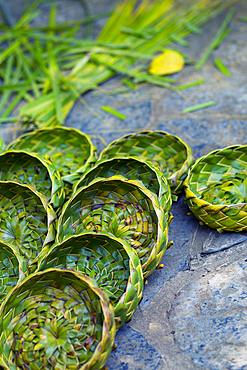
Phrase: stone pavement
pixel 193 314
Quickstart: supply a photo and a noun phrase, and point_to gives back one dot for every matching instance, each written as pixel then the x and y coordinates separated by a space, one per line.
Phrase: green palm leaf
pixel 124 208
pixel 56 320
pixel 216 189
pixel 169 153
pixel 109 260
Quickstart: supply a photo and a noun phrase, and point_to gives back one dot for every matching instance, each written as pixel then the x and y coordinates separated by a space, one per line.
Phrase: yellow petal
pixel 167 63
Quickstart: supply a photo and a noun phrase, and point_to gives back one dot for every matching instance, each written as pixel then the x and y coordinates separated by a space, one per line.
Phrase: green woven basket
pixel 67 148
pixel 109 260
pixel 132 168
pixel 12 269
pixel 216 189
pixel 56 320
pixel 168 152
pixel 27 168
pixel 123 208
pixel 26 219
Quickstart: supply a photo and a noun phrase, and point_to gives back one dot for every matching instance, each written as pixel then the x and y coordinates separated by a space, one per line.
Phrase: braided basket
pixel 132 168
pixel 123 208
pixel 12 269
pixel 68 149
pixel 56 320
pixel 168 152
pixel 216 189
pixel 27 168
pixel 109 260
pixel 26 220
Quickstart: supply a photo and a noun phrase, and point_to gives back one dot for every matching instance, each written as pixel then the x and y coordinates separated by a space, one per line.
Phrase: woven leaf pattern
pixel 132 168
pixel 28 169
pixel 231 190
pixel 56 319
pixel 67 149
pixel 10 269
pixel 168 152
pixel 124 208
pixel 216 189
pixel 62 302
pixel 110 261
pixel 23 219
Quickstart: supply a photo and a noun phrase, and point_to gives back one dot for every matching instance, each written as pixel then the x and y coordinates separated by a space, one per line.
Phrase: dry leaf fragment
pixel 167 63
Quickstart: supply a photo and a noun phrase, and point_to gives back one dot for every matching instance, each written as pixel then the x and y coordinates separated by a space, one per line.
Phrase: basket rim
pixel 22 268
pixel 174 176
pixel 108 325
pixel 54 174
pixel 219 150
pixel 159 175
pixel 162 223
pixel 51 214
pixel 47 129
pixel 190 194
pixel 132 256
pixel 140 132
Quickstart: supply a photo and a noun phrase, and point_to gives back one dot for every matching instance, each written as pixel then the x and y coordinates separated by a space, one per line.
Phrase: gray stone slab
pixel 209 318
pixel 133 352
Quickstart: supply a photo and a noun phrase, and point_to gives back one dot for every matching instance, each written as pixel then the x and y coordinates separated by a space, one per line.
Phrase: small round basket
pixel 216 189
pixel 169 153
pixel 110 261
pixel 26 219
pixel 67 149
pixel 123 208
pixel 132 168
pixel 56 319
pixel 27 168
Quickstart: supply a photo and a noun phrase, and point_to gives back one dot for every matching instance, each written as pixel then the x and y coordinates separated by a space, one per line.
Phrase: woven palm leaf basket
pixel 123 208
pixel 27 168
pixel 56 319
pixel 216 189
pixel 169 153
pixel 132 168
pixel 109 260
pixel 12 269
pixel 67 149
pixel 26 219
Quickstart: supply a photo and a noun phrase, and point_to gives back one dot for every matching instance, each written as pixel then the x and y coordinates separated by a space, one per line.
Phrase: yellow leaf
pixel 167 63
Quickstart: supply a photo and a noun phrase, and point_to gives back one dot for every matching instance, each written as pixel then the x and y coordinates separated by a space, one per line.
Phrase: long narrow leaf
pixel 198 107
pixel 53 72
pixel 114 112
pixel 216 40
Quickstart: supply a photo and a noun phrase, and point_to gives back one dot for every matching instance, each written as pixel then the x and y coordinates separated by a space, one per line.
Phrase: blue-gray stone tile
pixel 209 318
pixel 133 352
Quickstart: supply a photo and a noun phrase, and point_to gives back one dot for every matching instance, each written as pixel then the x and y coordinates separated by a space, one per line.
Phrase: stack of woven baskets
pixel 77 237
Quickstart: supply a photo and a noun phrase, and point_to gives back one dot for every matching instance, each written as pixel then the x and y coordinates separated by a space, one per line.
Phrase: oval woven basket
pixel 123 208
pixel 26 220
pixel 132 168
pixel 56 320
pixel 168 152
pixel 28 168
pixel 109 260
pixel 216 189
pixel 12 269
pixel 68 149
